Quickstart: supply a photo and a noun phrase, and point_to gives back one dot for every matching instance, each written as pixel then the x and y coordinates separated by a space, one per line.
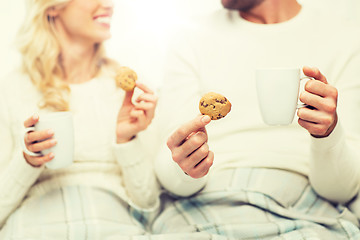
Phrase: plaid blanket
pixel 257 203
pixel 72 213
pixel 235 204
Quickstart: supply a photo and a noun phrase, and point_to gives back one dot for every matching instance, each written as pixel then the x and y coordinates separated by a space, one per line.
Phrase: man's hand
pixel 321 119
pixel 189 148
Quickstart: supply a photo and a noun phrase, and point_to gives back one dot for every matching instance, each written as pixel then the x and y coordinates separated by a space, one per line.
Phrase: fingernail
pixel 50 131
pixel 35 117
pixel 53 141
pixel 51 155
pixel 205 119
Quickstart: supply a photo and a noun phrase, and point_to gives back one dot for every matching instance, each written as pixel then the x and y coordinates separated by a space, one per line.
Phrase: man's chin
pixel 240 5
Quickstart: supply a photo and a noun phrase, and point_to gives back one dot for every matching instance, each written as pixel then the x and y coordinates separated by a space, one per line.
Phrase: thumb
pixel 198 123
pixel 203 121
pixel 182 133
pixel 315 73
pixel 127 99
pixel 31 121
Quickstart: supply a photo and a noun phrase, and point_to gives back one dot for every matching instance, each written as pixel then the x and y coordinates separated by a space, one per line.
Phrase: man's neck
pixel 272 11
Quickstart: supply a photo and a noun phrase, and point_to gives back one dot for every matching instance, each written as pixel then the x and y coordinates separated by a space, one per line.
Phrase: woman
pixel 110 182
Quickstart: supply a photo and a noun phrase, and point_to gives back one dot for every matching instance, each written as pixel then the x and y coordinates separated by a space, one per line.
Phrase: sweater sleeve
pixel 334 171
pixel 178 103
pixel 335 160
pixel 138 174
pixel 16 175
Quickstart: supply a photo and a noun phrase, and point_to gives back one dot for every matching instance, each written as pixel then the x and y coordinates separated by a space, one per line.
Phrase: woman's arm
pixel 132 154
pixel 138 173
pixel 16 175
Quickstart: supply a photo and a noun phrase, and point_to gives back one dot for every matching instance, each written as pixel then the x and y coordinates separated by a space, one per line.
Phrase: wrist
pixel 125 140
pixel 28 162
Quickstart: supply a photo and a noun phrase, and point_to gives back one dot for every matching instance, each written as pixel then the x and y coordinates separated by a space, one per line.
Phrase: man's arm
pixel 334 166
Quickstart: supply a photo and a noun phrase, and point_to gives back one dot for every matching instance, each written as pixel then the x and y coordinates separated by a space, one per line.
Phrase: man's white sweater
pixel 221 55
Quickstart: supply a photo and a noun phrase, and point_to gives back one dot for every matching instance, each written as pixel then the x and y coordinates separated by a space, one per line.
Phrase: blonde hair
pixel 41 54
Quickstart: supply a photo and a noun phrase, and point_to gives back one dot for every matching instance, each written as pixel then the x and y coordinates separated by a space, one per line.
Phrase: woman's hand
pixel 321 119
pixel 36 141
pixel 135 117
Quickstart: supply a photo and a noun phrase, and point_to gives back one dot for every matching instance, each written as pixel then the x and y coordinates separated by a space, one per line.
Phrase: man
pixel 241 178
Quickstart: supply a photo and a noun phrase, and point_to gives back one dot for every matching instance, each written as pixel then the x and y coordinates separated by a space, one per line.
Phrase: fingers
pixel 194 146
pixel 31 121
pixel 321 89
pixel 316 129
pixel 314 73
pixel 180 135
pixel 146 97
pixel 320 121
pixel 326 103
pixel 139 116
pixel 314 116
pixel 135 117
pixel 198 163
pixel 38 161
pixel 38 135
pixel 37 141
pixel 189 147
pixel 202 168
pixel 127 99
pixel 145 106
pixel 147 102
pixel 144 88
pixel 40 146
pixel 34 137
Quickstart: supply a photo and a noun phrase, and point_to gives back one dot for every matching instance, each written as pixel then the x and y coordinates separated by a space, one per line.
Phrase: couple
pixel 234 178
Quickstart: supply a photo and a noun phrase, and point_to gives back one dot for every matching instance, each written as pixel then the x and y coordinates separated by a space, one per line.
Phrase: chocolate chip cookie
pixel 214 105
pixel 126 78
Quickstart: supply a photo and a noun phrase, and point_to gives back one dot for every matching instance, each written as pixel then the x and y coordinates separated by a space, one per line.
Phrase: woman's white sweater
pixel 123 169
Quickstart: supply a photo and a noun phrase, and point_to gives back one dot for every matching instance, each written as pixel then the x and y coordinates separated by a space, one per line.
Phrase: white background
pixel 139 27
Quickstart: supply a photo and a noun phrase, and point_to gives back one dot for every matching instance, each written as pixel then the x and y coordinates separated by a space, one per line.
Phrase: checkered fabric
pixel 76 213
pixel 259 203
pixel 236 204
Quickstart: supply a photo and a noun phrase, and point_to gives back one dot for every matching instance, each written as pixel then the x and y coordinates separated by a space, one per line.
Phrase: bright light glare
pixel 140 29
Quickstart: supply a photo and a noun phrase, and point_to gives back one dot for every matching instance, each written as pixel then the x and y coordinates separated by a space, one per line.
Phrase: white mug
pixel 278 94
pixel 62 125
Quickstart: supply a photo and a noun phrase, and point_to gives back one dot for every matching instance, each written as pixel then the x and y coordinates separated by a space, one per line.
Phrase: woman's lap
pixel 72 213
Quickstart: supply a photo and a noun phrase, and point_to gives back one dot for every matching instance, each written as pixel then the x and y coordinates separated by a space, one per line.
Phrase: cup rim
pixel 50 115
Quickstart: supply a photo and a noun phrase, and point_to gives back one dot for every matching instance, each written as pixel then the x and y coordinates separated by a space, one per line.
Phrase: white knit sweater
pixel 123 169
pixel 221 54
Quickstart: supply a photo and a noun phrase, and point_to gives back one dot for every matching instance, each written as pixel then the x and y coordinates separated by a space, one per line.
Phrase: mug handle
pixel 301 105
pixel 24 148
